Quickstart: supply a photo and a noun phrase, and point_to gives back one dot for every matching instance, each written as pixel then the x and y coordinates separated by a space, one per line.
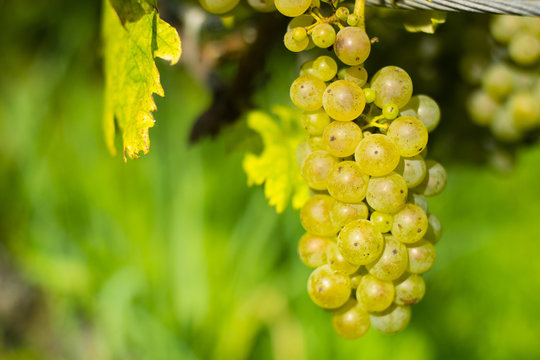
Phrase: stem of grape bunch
pixel 359 10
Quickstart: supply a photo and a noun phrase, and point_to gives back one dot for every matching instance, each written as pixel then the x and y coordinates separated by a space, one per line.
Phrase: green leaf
pixel 424 21
pixel 276 166
pixel 133 36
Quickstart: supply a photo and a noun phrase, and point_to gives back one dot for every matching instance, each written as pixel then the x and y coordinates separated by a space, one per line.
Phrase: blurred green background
pixel 173 257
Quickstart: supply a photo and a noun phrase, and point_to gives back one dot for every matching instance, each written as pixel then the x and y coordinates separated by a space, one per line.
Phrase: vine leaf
pixel 276 166
pixel 424 21
pixel 133 36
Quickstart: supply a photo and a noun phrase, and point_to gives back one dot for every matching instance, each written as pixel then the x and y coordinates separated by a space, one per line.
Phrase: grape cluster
pixel 508 100
pixel 369 234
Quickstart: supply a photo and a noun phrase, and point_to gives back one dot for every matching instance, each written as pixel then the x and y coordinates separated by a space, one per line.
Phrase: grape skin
pixel 315 122
pixel 419 200
pixel 323 35
pixel 434 231
pixel 343 213
pixel 352 45
pixel 360 242
pixel 292 8
pixel 392 263
pixel 356 74
pixel 218 6
pixel 262 5
pixel 382 221
pixel 342 138
pixel 351 321
pixel 293 44
pixel 347 183
pixel 338 262
pixel 412 169
pixel 410 290
pixel 425 109
pixel 312 250
pixel 410 224
pixel 387 194
pixel 316 168
pixel 392 85
pixel 421 257
pixel 315 216
pixel 375 294
pixel 409 134
pixel 377 155
pixel 392 320
pixel 343 100
pixel 325 68
pixel 434 181
pixel 307 92
pixel 481 107
pixel 327 288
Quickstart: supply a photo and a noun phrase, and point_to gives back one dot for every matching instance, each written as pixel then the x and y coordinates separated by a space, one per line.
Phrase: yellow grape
pixel 387 194
pixel 343 213
pixel 312 249
pixel 377 155
pixel 410 290
pixel 412 169
pixel 347 183
pixel 382 221
pixel 343 100
pixel 352 45
pixel 392 320
pixel 314 122
pixel 409 134
pixel 392 85
pixel 338 262
pixel 307 92
pixel 410 224
pixel 422 256
pixel 360 242
pixel 392 263
pixel 292 8
pixel 341 138
pixel 375 294
pixel 351 321
pixel 328 288
pixel 316 168
pixel 315 216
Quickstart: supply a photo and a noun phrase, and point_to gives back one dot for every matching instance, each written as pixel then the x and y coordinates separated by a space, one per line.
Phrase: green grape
pixel 302 152
pixel 419 200
pixel 410 290
pixel 422 256
pixel 424 109
pixel 292 8
pixel 375 294
pixel 307 69
pixel 262 5
pixel 390 111
pixel 504 27
pixel 412 169
pixel 342 12
pixel 316 143
pixel 393 261
pixel 347 183
pixel 314 122
pixel 435 180
pixel 307 92
pixel 503 126
pixel 299 33
pixel 498 81
pixel 481 107
pixel 353 20
pixel 218 6
pixel 360 242
pixel 392 85
pixel 316 168
pixel 370 95
pixel 325 67
pixel 312 249
pixel 356 278
pixel 328 288
pixel 387 194
pixel 315 216
pixel 524 108
pixel 434 230
pixel 343 213
pixel 338 262
pixel 294 45
pixel 356 74
pixel 410 224
pixel 352 45
pixel 377 155
pixel 409 134
pixel 343 100
pixel 351 321
pixel 392 320
pixel 382 221
pixel 531 25
pixel 323 35
pixel 524 49
pixel 341 138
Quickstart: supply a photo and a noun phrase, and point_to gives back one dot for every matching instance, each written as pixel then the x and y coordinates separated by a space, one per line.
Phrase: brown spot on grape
pixel 401 191
pixel 376 152
pixel 320 289
pixel 332 138
pixel 399 226
pixel 355 244
pixel 410 302
pixel 329 91
pixel 301 86
pixel 419 230
pixel 339 169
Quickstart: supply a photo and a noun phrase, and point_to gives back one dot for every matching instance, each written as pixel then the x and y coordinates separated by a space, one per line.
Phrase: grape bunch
pixel 508 99
pixel 369 234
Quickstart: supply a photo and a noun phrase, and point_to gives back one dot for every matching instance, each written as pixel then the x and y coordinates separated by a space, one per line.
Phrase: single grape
pixel 370 95
pixel 353 20
pixel 315 216
pixel 422 256
pixel 328 288
pixel 360 242
pixel 524 108
pixel 351 321
pixel 292 8
pixel 314 122
pixel 347 183
pixel 382 221
pixel 343 213
pixel 325 68
pixel 316 143
pixel 524 49
pixel 356 74
pixel 323 35
pixel 419 200
pixel 503 126
pixel 392 85
pixel 392 320
pixel 435 180
pixel 307 92
pixel 262 5
pixel 410 224
pixel 504 27
pixel 337 261
pixel 342 12
pixel 341 138
pixel 412 169
pixel 377 155
pixel 343 100
pixel 424 109
pixel 410 290
pixel 498 81
pixel 390 111
pixel 316 168
pixel 375 294
pixel 481 107
pixel 409 134
pixel 387 194
pixel 307 69
pixel 434 230
pixel 352 45
pixel 299 33
pixel 392 263
pixel 312 249
pixel 218 6
pixel 293 44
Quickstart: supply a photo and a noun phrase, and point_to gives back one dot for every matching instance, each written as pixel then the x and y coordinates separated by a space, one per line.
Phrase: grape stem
pixel 359 8
pixel 374 123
